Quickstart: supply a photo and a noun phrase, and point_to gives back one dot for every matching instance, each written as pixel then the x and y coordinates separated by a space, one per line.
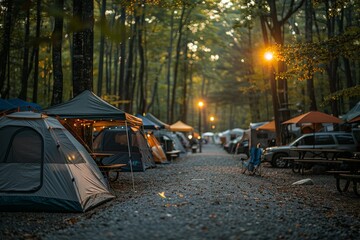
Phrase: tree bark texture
pixel 57 35
pixel 25 66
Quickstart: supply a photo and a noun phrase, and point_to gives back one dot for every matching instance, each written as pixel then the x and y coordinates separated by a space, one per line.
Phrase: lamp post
pixel 212 119
pixel 200 105
pixel 269 56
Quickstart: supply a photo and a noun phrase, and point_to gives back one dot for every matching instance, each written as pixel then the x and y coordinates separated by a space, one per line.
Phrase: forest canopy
pixel 163 56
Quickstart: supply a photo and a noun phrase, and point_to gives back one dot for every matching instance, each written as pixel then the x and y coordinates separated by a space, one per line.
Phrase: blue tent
pixel 24 105
pixel 352 113
pixel 147 123
pixel 161 124
pixel 5 105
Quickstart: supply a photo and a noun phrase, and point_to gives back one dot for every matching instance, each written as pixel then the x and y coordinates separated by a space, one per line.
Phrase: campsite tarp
pixel 89 106
pixel 44 168
pixel 179 126
pixel 161 124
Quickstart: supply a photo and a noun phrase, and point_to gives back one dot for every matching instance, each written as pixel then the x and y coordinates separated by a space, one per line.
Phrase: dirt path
pixel 203 196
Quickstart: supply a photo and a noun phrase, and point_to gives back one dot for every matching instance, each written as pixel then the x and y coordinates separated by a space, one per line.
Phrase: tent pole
pixel 130 157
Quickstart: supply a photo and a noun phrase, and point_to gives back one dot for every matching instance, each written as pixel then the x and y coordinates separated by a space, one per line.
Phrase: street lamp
pixel 200 105
pixel 212 119
pixel 269 56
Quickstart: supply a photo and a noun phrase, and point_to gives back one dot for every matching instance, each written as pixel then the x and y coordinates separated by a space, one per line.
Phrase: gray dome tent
pixel 115 140
pixel 44 168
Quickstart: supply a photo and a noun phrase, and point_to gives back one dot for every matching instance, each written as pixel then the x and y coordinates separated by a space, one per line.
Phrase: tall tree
pixel 56 38
pixel 83 39
pixel 309 39
pixel 169 59
pixel 129 69
pixel 25 66
pixel 122 84
pixel 36 51
pixel 10 14
pixel 101 47
pixel 141 82
pixel 182 22
pixel 332 66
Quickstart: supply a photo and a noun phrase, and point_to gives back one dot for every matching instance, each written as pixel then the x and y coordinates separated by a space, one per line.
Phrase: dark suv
pixel 334 140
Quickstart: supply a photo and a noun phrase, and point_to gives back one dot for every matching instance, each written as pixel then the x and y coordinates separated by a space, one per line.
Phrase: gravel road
pixel 203 196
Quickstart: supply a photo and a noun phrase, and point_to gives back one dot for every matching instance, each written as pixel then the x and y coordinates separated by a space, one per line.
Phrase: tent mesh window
pixel 21 159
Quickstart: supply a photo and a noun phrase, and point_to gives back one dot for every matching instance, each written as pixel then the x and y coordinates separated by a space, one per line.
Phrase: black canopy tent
pixel 88 106
pixel 81 112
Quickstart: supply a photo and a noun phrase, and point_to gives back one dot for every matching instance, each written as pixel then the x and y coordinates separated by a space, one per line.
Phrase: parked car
pixel 333 140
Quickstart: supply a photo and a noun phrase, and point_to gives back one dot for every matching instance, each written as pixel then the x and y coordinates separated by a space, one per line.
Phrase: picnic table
pixel 325 153
pixel 107 169
pixel 308 157
pixel 350 174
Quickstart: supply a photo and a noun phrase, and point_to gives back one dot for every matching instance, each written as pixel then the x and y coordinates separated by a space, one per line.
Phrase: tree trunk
pixel 141 26
pixel 5 51
pixel 155 89
pixel 184 105
pixel 101 48
pixel 36 50
pixel 25 66
pixel 129 70
pixel 333 64
pixel 107 51
pixel 88 18
pixel 177 59
pixel 168 76
pixel 122 84
pixel 56 54
pixel 83 41
pixel 309 39
pixel 78 52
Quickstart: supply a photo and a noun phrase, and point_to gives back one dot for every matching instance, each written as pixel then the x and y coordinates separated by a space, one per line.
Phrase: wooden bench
pixel 299 165
pixel 107 169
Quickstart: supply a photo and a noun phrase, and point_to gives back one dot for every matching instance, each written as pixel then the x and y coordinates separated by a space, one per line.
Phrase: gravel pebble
pixel 203 196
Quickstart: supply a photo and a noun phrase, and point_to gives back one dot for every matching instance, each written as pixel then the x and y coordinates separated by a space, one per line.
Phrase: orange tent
pixel 157 151
pixel 270 126
pixel 179 126
pixel 313 117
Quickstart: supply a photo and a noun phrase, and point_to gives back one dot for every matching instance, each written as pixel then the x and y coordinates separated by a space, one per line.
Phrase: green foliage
pixel 348 92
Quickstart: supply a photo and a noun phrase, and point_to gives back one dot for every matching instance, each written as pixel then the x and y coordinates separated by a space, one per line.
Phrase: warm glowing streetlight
pixel 212 119
pixel 269 56
pixel 200 104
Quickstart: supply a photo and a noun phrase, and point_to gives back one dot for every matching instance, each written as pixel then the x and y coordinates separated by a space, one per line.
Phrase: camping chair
pixel 253 164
